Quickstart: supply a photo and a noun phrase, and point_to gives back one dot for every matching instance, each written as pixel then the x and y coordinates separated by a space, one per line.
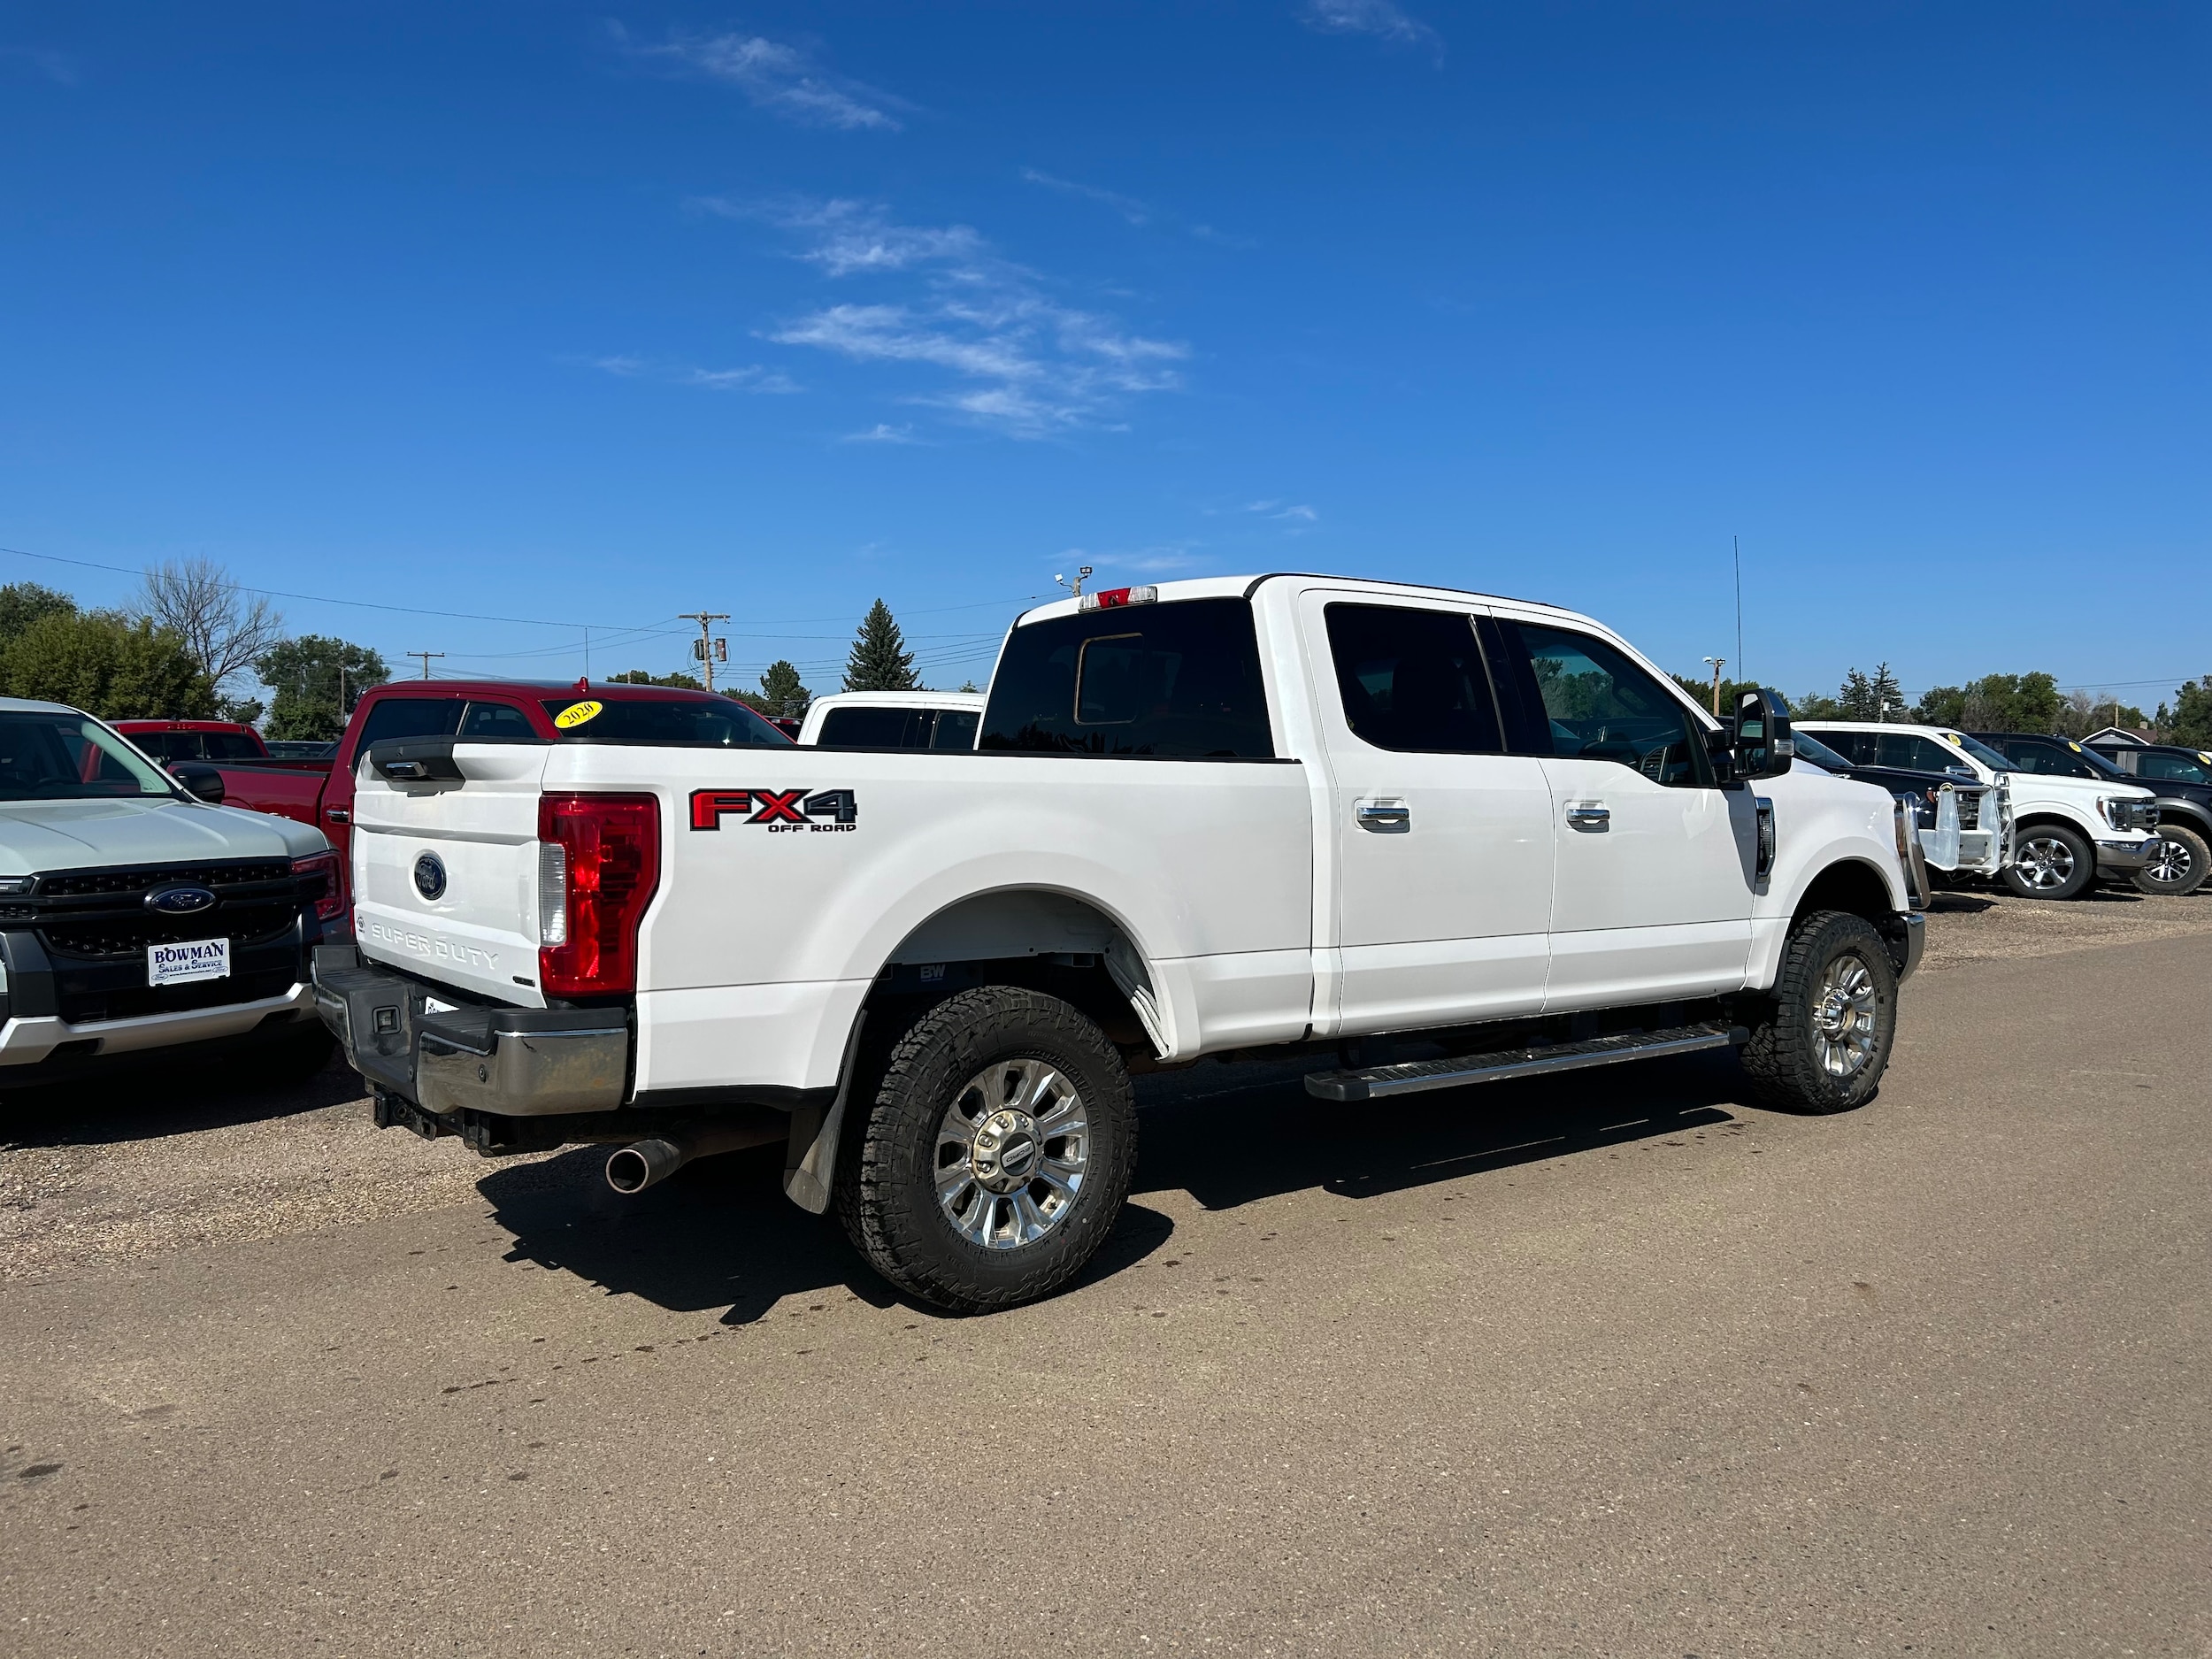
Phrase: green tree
pixel 879 660
pixel 108 665
pixel 316 680
pixel 2190 720
pixel 22 603
pixel 638 677
pixel 1816 705
pixel 1996 703
pixel 781 691
pixel 1870 697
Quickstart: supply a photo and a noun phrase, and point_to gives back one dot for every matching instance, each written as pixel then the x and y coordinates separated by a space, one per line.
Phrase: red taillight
pixel 609 848
pixel 318 878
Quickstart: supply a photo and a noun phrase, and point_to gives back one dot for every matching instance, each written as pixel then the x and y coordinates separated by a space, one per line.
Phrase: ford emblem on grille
pixel 430 876
pixel 179 900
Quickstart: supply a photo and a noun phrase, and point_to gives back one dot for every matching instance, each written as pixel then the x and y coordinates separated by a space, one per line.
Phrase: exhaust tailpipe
pixel 647 1162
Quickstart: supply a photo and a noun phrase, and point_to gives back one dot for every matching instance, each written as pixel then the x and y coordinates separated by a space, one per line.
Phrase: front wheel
pixel 1824 1040
pixel 2178 865
pixel 2051 861
pixel 996 1153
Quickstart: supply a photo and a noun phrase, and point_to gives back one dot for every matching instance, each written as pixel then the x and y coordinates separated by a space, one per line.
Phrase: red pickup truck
pixel 320 792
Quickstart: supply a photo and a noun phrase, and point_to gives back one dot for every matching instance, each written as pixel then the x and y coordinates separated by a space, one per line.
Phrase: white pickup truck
pixel 1427 838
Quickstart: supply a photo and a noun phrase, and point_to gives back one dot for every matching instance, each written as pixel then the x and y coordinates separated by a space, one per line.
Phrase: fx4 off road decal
pixel 786 810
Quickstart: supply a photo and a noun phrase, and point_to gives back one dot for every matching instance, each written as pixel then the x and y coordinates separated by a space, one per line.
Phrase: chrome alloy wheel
pixel 1012 1151
pixel 1843 1016
pixel 2045 862
pixel 2170 862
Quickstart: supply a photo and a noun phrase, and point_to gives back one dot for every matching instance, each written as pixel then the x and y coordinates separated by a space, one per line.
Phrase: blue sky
pixel 593 315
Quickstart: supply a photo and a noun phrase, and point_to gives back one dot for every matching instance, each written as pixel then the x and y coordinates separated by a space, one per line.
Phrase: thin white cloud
pixel 57 68
pixel 882 432
pixel 780 79
pixel 1135 211
pixel 1299 513
pixel 750 378
pixel 1023 363
pixel 1384 19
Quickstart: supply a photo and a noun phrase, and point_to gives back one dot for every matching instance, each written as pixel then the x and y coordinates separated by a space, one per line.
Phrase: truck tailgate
pixel 445 873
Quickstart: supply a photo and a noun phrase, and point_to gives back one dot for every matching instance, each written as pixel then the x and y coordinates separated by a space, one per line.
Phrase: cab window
pixel 395 717
pixel 1907 751
pixel 1170 681
pixel 1412 680
pixel 231 746
pixel 862 727
pixel 956 728
pixel 496 723
pixel 2174 768
pixel 1599 705
pixel 2049 759
pixel 168 746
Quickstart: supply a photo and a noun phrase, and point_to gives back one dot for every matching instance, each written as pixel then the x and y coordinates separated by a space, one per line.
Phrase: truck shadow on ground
pixel 720 1237
pixel 156 1096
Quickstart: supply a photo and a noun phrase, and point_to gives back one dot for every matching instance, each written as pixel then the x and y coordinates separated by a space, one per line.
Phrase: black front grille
pixel 101 915
pixel 128 936
pixel 94 928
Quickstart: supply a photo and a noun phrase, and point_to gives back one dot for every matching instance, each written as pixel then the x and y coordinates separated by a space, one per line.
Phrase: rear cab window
pixel 663 722
pixel 863 727
pixel 1173 682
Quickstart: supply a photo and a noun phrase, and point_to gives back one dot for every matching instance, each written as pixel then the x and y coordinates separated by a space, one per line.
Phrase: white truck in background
pixel 1426 838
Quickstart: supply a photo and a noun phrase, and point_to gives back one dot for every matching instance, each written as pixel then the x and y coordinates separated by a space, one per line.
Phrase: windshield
pixel 1810 748
pixel 59 757
pixel 1980 751
pixel 670 722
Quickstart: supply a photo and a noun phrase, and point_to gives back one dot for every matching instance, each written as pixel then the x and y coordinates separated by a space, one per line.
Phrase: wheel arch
pixel 1848 884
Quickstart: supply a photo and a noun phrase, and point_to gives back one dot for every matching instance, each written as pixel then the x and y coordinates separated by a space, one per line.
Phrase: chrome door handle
pixel 338 815
pixel 1589 815
pixel 1384 818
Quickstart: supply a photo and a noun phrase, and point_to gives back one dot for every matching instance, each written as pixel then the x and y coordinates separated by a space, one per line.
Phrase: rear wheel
pixel 1825 1041
pixel 2051 861
pixel 2179 863
pixel 996 1151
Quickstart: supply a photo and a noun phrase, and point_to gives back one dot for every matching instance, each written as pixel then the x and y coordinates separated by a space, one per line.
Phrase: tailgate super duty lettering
pixel 776 809
pixel 431 948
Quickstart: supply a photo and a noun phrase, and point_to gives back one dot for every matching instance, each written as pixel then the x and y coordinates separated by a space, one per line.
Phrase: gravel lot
pixel 120 1172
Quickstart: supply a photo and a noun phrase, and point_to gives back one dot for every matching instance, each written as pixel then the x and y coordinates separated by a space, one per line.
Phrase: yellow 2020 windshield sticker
pixel 574 716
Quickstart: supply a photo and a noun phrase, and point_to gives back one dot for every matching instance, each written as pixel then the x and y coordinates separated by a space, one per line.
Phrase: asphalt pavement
pixel 1616 1363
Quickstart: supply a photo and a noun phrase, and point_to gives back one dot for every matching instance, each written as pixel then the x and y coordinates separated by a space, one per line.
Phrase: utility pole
pixel 425 656
pixel 706 620
pixel 1719 663
pixel 1082 571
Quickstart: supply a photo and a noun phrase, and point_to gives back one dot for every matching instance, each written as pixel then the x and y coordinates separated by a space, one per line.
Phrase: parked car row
pixel 2075 818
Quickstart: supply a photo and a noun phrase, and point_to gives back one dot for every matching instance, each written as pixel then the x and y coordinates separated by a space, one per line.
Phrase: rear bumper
pixel 498 1061
pixel 2124 857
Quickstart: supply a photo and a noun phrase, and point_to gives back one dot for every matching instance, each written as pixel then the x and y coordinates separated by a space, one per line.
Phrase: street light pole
pixel 1719 663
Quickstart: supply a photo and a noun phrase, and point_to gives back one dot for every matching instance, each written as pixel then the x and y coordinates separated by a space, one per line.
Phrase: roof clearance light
pixel 1114 598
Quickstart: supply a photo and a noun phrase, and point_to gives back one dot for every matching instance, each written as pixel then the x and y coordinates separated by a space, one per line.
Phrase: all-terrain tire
pixel 2051 861
pixel 1793 1054
pixel 2179 868
pixel 901 1194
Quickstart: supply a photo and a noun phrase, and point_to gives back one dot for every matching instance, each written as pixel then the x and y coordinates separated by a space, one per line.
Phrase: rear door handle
pixel 1385 817
pixel 339 815
pixel 1589 816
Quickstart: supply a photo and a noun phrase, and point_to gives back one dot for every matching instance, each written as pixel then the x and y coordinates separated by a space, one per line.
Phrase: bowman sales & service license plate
pixel 187 960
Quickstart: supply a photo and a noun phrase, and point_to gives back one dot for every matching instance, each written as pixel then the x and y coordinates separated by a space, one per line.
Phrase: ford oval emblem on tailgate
pixel 430 876
pixel 179 900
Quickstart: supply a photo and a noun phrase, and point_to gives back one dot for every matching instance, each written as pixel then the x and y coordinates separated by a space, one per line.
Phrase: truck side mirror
pixel 200 779
pixel 1763 746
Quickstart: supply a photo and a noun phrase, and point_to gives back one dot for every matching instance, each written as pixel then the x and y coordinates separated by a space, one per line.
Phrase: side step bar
pixel 1375 1082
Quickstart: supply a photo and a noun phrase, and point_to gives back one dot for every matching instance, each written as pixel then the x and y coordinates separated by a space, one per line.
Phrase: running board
pixel 1376 1081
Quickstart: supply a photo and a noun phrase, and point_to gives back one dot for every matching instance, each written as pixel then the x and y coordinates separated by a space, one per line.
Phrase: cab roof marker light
pixel 1114 598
